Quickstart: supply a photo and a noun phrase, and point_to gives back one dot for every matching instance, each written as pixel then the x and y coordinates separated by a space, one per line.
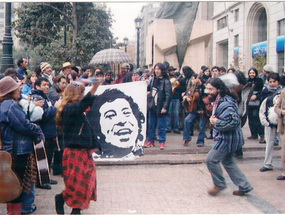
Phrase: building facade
pixel 229 34
pixel 148 13
pixel 247 32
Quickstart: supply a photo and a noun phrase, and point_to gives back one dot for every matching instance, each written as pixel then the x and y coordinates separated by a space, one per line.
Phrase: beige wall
pixel 198 50
pixel 162 33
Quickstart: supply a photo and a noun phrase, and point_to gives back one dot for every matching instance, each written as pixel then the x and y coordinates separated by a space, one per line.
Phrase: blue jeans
pixel 213 160
pixel 173 112
pixel 189 123
pixel 28 199
pixel 160 121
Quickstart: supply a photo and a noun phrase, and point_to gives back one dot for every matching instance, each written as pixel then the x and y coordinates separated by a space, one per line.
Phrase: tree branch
pixel 46 37
pixel 61 12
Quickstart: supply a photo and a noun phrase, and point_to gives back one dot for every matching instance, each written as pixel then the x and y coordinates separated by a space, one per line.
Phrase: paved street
pixel 173 189
pixel 175 181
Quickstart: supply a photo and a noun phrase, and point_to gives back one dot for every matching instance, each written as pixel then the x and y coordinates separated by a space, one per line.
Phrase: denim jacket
pixel 13 123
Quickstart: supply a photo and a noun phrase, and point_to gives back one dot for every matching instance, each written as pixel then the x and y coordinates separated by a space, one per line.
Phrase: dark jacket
pixel 258 86
pixel 164 94
pixel 21 72
pixel 77 131
pixel 13 123
pixel 47 123
pixel 268 91
pixel 54 93
pixel 179 89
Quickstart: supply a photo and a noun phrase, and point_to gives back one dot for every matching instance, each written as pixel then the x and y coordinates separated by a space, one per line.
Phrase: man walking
pixel 228 138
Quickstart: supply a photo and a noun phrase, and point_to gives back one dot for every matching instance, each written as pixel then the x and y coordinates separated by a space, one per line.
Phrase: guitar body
pixel 192 104
pixel 42 164
pixel 10 186
pixel 174 83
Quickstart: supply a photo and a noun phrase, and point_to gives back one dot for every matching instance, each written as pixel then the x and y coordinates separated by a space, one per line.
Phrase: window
pixel 222 23
pixel 262 26
pixel 222 53
pixel 236 41
pixel 281 27
pixel 236 15
pixel 280 55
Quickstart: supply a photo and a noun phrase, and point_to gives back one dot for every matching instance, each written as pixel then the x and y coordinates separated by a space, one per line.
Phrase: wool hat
pixel 268 68
pixel 45 65
pixel 67 64
pixel 8 85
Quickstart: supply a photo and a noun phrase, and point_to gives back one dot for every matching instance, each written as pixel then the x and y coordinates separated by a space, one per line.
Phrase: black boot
pixel 76 211
pixel 59 202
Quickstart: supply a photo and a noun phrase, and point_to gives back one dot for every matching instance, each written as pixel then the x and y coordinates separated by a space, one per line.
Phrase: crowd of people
pixel 49 106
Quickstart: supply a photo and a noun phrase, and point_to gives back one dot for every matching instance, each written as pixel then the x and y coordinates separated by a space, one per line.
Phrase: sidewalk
pixel 176 153
pixel 172 189
pixel 150 185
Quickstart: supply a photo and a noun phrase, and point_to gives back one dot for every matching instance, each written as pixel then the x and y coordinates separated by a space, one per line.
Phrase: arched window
pixel 262 25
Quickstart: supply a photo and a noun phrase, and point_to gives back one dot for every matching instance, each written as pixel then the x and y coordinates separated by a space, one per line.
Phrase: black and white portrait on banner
pixel 118 117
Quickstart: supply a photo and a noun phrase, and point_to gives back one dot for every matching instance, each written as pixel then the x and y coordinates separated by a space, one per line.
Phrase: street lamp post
pixel 126 42
pixel 138 22
pixel 7 58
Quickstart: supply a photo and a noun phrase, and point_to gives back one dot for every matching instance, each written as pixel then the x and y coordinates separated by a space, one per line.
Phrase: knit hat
pixel 8 85
pixel 268 68
pixel 45 65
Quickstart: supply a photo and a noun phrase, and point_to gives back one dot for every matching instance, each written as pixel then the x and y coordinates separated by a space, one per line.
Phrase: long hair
pixel 8 96
pixel 255 71
pixel 27 79
pixel 220 85
pixel 73 93
pixel 162 67
pixel 188 72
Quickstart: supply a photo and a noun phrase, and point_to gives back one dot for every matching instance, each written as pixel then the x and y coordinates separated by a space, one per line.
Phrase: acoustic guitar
pixel 10 185
pixel 190 102
pixel 42 164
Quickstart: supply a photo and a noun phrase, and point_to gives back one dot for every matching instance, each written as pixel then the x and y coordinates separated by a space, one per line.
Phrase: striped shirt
pixel 227 132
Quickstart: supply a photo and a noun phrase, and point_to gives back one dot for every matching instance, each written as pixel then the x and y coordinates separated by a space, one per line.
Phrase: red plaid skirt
pixel 79 174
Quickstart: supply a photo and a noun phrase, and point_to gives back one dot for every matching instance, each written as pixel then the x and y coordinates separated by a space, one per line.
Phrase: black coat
pixel 47 123
pixel 164 94
pixel 77 131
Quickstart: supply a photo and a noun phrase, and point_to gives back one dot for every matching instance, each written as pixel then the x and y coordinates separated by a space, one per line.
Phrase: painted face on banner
pixel 118 123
